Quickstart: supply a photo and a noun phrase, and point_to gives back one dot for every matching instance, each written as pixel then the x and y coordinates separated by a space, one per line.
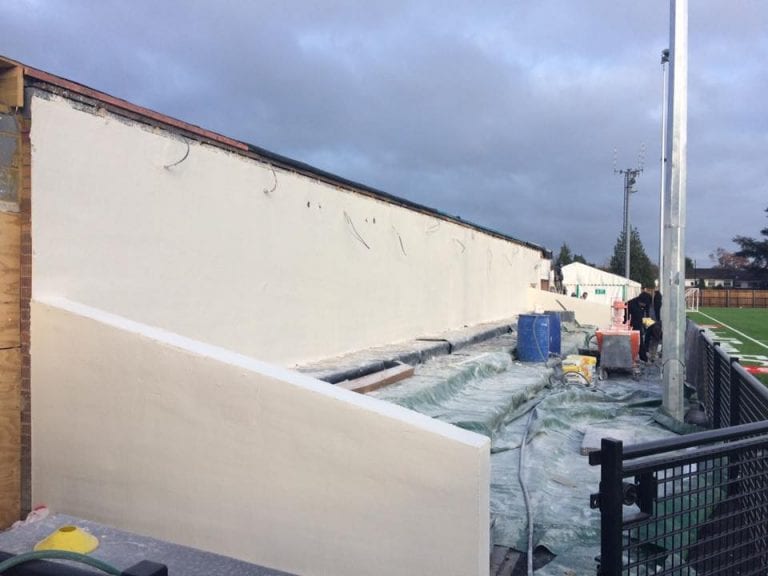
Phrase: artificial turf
pixel 750 321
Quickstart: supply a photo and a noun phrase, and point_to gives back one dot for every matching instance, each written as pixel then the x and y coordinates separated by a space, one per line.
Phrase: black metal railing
pixel 697 504
pixel 728 393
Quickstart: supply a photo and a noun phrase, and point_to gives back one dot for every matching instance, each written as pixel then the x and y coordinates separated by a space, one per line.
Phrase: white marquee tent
pixel 600 286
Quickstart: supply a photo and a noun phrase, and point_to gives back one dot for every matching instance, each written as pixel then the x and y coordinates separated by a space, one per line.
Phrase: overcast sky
pixel 511 114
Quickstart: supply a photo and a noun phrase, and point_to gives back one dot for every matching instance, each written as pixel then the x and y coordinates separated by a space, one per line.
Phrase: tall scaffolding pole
pixel 673 274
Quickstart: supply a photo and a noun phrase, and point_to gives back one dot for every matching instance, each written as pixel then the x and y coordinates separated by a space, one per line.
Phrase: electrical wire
pixel 521 480
pixel 58 555
pixel 402 246
pixel 172 164
pixel 355 233
pixel 536 340
pixel 274 185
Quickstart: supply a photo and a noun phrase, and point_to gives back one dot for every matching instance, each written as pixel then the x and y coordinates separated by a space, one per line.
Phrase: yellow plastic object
pixel 579 369
pixel 71 539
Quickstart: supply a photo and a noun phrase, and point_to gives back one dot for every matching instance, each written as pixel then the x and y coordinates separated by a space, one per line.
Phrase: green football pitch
pixel 743 332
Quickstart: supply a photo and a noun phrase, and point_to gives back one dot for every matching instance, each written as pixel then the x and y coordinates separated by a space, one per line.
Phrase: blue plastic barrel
pixel 533 337
pixel 554 331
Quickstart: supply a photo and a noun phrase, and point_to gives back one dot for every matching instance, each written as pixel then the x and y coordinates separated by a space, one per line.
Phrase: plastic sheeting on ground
pixel 485 390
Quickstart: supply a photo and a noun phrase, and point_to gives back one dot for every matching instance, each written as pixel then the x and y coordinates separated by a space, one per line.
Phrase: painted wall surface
pixel 224 249
pixel 586 312
pixel 162 435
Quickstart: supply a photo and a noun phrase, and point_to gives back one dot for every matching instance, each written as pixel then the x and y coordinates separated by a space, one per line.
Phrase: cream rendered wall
pixel 143 429
pixel 586 312
pixel 223 249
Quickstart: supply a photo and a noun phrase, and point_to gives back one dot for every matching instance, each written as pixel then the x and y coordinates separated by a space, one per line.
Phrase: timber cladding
pixel 14 225
pixel 733 298
pixel 25 297
pixel 10 368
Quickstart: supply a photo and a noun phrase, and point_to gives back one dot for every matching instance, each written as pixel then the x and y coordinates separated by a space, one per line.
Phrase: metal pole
pixel 611 502
pixel 673 276
pixel 630 178
pixel 664 60
pixel 627 187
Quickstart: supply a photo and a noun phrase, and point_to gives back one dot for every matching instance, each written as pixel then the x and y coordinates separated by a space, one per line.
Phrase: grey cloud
pixel 505 113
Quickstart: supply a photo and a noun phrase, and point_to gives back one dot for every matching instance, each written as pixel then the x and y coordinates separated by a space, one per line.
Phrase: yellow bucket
pixel 71 539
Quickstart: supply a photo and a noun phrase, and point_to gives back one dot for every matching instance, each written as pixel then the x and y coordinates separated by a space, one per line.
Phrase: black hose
pixel 521 480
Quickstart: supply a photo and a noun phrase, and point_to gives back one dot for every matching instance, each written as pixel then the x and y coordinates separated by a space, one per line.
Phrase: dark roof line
pixel 262 153
pixel 331 178
pixel 716 273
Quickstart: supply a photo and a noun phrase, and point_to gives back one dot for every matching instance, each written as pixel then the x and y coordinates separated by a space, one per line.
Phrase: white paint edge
pixel 724 325
pixel 270 370
pixel 6 206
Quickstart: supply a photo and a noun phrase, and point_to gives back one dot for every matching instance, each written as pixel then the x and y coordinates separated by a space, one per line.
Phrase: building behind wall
pixel 144 217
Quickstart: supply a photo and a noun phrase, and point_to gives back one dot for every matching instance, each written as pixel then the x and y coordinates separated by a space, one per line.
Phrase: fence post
pixel 611 502
pixel 734 385
pixel 734 468
pixel 717 385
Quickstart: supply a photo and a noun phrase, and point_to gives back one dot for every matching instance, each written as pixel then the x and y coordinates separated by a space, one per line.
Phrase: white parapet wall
pixel 133 219
pixel 586 312
pixel 155 433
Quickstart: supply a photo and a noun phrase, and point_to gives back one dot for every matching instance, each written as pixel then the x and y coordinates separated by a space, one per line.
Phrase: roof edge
pixel 40 76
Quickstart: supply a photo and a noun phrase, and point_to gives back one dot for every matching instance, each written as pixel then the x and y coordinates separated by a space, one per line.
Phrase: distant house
pixel 726 278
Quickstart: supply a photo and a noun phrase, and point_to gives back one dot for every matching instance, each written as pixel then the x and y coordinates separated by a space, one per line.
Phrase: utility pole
pixel 673 273
pixel 630 179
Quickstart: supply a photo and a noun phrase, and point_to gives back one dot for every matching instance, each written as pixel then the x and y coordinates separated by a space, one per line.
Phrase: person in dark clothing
pixel 653 328
pixel 652 337
pixel 657 306
pixel 637 309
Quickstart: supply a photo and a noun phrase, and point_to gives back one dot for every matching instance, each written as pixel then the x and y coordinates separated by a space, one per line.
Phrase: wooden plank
pixel 378 380
pixel 10 437
pixel 9 229
pixel 10 279
pixel 10 332
pixel 12 86
pixel 10 366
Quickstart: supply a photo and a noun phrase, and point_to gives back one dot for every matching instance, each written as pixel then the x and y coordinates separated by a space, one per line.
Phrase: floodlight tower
pixel 664 80
pixel 675 193
pixel 630 179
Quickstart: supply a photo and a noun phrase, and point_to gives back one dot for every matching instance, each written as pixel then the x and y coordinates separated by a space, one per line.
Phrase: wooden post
pixel 10 370
pixel 11 97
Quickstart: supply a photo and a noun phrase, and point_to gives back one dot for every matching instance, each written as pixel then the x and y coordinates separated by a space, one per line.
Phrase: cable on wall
pixel 186 154
pixel 355 233
pixel 269 191
pixel 400 238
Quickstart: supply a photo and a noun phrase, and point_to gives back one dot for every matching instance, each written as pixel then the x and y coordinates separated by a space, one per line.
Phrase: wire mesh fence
pixel 697 504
